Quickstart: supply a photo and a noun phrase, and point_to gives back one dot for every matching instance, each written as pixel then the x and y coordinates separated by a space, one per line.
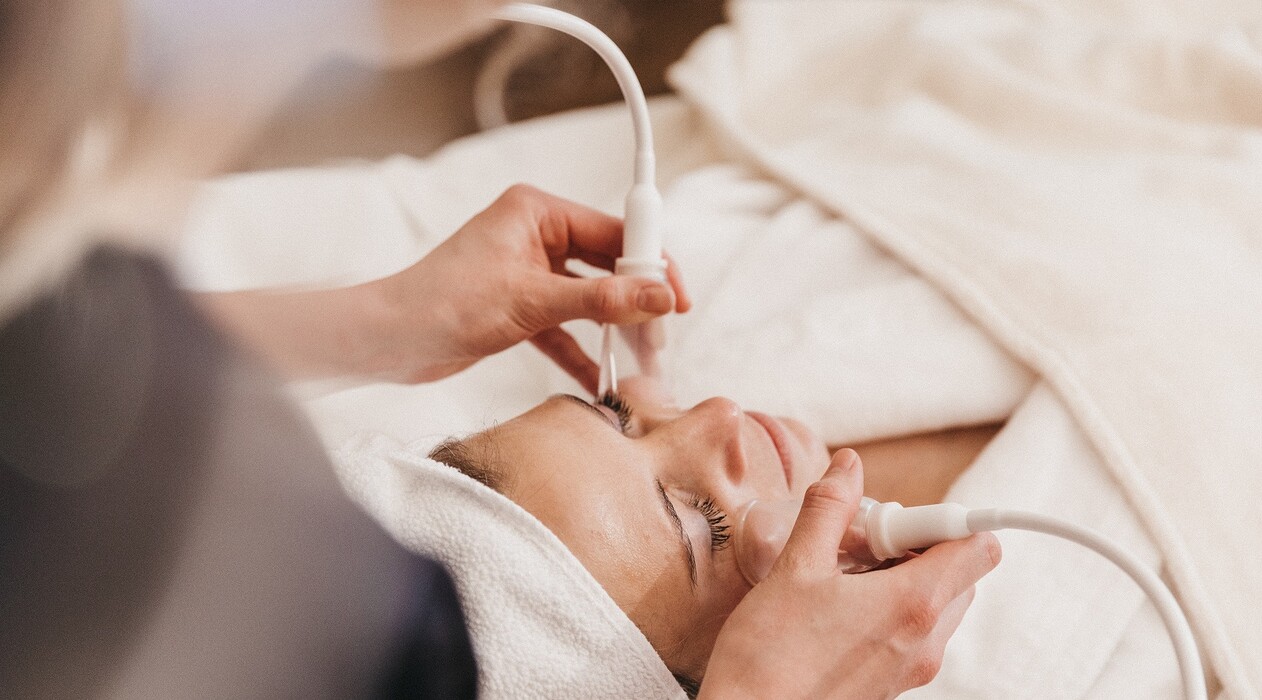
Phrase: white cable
pixel 642 215
pixel 632 92
pixel 642 230
pixel 1171 614
pixel 892 530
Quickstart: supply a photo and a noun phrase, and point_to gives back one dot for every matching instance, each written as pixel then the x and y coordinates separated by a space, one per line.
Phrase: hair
pixel 473 462
pixel 690 685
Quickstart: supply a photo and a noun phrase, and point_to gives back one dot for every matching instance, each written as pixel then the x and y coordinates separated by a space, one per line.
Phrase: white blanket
pixel 1084 182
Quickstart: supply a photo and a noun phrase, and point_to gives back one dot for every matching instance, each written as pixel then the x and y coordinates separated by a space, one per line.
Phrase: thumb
pixel 829 506
pixel 618 299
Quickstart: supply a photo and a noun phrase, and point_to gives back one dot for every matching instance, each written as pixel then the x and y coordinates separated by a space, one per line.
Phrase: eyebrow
pixel 684 540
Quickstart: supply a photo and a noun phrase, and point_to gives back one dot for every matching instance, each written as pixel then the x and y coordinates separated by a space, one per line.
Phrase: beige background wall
pixel 346 110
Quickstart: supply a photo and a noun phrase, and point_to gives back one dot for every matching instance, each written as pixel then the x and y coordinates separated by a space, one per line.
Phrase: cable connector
pixel 642 234
pixel 894 530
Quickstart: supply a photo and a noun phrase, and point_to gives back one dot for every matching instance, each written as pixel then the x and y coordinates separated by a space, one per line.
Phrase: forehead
pixel 595 488
pixel 597 491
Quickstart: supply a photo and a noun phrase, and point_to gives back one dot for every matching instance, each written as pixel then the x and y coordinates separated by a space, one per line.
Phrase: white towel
pixel 541 626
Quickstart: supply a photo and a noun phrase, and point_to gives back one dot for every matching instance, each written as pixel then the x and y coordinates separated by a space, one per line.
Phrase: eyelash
pixel 720 532
pixel 614 402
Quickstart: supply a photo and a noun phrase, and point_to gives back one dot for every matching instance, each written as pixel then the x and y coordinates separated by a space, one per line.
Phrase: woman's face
pixel 646 499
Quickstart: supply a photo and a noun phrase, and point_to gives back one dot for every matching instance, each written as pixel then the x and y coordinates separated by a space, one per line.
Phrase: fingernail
pixel 654 299
pixel 848 459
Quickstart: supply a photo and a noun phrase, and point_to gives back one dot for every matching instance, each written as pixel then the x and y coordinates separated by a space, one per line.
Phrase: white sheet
pixel 1083 180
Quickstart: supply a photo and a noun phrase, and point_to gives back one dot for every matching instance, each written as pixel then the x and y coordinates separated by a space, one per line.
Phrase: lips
pixel 779 439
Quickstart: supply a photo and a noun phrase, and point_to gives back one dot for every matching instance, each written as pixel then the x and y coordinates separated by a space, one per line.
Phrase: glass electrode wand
pixel 608 381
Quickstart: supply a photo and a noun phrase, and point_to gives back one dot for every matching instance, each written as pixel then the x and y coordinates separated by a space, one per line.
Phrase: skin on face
pixel 603 492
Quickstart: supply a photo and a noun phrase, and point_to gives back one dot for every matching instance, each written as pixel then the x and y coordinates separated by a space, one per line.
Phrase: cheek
pixel 647 389
pixel 718 600
pixel 647 585
pixel 619 550
pixel 815 452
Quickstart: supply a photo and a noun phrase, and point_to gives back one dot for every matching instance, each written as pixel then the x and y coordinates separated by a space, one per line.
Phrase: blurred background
pixel 347 109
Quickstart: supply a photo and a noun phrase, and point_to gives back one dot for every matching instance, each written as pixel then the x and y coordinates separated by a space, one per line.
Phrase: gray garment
pixel 171 528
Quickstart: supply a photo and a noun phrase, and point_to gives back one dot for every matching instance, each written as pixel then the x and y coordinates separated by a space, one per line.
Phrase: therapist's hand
pixel 501 279
pixel 809 631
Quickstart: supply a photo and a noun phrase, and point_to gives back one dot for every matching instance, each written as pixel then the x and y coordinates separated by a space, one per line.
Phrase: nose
pixel 714 427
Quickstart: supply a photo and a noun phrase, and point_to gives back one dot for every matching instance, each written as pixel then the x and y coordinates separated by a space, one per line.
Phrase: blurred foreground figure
pixel 169 526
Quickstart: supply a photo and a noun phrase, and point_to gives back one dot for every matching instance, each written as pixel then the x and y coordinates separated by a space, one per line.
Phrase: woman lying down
pixel 591 543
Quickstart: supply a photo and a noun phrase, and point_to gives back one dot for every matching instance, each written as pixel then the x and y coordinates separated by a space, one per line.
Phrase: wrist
pixel 402 333
pixel 311 334
pixel 375 331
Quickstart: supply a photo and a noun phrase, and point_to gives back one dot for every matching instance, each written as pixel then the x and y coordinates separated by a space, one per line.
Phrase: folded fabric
pixel 1082 180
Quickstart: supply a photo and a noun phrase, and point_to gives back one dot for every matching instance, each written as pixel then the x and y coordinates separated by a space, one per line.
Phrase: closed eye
pixel 613 401
pixel 607 416
pixel 720 531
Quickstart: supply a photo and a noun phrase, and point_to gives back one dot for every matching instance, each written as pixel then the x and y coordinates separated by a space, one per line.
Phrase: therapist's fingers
pixel 566 353
pixel 925 663
pixel 675 278
pixel 570 230
pixel 567 229
pixel 949 569
pixel 951 617
pixel 829 506
pixel 615 299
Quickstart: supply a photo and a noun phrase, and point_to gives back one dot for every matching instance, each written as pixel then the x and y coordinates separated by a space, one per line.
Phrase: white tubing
pixel 892 530
pixel 586 32
pixel 642 232
pixel 1171 614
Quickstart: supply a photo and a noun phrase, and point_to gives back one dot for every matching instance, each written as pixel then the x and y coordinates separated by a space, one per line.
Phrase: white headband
pixel 541 626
